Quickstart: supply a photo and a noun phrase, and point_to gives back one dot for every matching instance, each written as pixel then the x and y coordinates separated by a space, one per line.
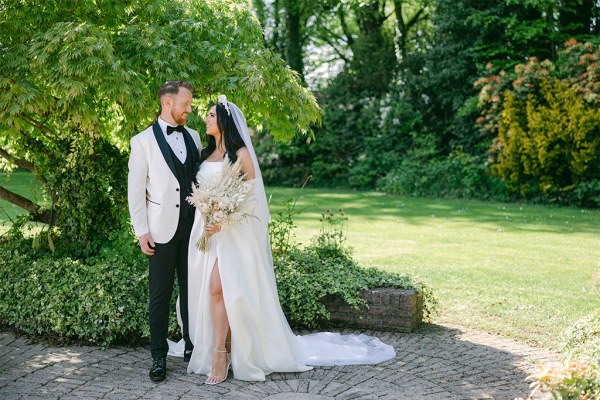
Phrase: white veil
pixel 322 348
pixel 262 208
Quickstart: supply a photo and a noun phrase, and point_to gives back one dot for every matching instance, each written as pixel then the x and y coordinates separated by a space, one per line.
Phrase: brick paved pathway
pixel 444 362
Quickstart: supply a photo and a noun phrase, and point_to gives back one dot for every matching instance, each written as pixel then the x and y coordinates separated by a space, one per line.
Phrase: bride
pixel 232 290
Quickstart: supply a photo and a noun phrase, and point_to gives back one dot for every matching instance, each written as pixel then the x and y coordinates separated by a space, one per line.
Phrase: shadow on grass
pixel 421 211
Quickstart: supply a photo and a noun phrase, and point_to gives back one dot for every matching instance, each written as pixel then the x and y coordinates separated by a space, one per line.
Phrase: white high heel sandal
pixel 220 378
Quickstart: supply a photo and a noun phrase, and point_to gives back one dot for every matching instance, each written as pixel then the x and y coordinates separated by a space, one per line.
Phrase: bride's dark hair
pixel 230 136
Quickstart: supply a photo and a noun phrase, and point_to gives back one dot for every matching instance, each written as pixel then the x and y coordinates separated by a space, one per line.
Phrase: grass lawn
pixel 522 271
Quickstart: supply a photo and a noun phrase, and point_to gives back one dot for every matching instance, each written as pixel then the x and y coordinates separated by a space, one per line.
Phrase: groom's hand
pixel 147 244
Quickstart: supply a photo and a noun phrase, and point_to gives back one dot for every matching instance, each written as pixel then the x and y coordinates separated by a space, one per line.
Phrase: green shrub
pixel 281 228
pixel 582 339
pixel 577 66
pixel 543 122
pixel 98 300
pixel 103 298
pixel 306 276
pixel 571 381
pixel 551 146
pixel 456 175
pixel 586 194
pixel 331 240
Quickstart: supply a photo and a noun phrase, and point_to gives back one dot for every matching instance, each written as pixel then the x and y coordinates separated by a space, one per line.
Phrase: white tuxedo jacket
pixel 151 170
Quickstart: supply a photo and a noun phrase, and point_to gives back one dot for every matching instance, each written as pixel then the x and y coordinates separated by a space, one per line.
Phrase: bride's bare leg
pixel 220 324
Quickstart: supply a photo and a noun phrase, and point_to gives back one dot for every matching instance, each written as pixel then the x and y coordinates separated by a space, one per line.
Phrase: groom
pixel 162 166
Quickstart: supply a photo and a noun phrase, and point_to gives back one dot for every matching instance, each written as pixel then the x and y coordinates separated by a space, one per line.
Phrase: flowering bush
pixel 582 339
pixel 543 122
pixel 525 81
pixel 570 381
pixel 577 67
pixel 578 378
pixel 581 60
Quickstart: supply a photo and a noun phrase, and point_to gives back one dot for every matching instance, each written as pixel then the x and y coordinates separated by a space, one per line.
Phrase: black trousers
pixel 169 258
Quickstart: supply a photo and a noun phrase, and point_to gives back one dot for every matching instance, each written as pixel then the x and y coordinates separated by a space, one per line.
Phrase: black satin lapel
pixel 164 147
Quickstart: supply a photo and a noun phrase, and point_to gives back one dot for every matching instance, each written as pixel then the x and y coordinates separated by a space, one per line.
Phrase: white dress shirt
pixel 175 140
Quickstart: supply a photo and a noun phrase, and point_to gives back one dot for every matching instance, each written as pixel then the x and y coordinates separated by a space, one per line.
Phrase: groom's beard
pixel 180 119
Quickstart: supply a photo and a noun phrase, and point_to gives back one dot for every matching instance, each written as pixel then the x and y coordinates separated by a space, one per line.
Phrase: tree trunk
pixel 259 7
pixel 371 17
pixel 401 25
pixel 276 28
pixel 294 38
pixel 35 210
pixel 374 62
pixel 342 17
pixel 405 27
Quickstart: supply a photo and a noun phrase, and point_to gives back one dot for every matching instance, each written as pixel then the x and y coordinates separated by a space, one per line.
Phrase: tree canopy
pixel 83 60
pixel 77 77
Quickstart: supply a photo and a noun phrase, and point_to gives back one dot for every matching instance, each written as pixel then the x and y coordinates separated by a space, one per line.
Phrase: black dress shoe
pixel 158 372
pixel 187 354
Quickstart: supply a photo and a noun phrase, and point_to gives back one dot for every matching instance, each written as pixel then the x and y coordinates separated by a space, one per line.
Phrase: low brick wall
pixel 397 310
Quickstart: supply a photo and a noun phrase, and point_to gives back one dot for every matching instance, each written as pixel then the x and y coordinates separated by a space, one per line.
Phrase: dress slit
pixel 216 264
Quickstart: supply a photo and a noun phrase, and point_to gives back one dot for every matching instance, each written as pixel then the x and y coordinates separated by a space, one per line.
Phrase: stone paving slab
pixel 442 362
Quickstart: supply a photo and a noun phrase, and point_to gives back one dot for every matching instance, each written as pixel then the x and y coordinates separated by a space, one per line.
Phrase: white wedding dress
pixel 261 339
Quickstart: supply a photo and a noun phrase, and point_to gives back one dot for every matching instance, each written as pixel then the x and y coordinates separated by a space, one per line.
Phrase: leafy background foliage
pixel 433 129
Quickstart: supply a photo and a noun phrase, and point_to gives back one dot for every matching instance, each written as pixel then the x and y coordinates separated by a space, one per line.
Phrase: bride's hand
pixel 212 229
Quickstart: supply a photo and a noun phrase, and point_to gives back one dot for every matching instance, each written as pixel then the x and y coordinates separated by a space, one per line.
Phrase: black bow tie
pixel 171 129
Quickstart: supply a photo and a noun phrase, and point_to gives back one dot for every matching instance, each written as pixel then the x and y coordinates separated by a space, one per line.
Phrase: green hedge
pixel 99 300
pixel 104 299
pixel 457 175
